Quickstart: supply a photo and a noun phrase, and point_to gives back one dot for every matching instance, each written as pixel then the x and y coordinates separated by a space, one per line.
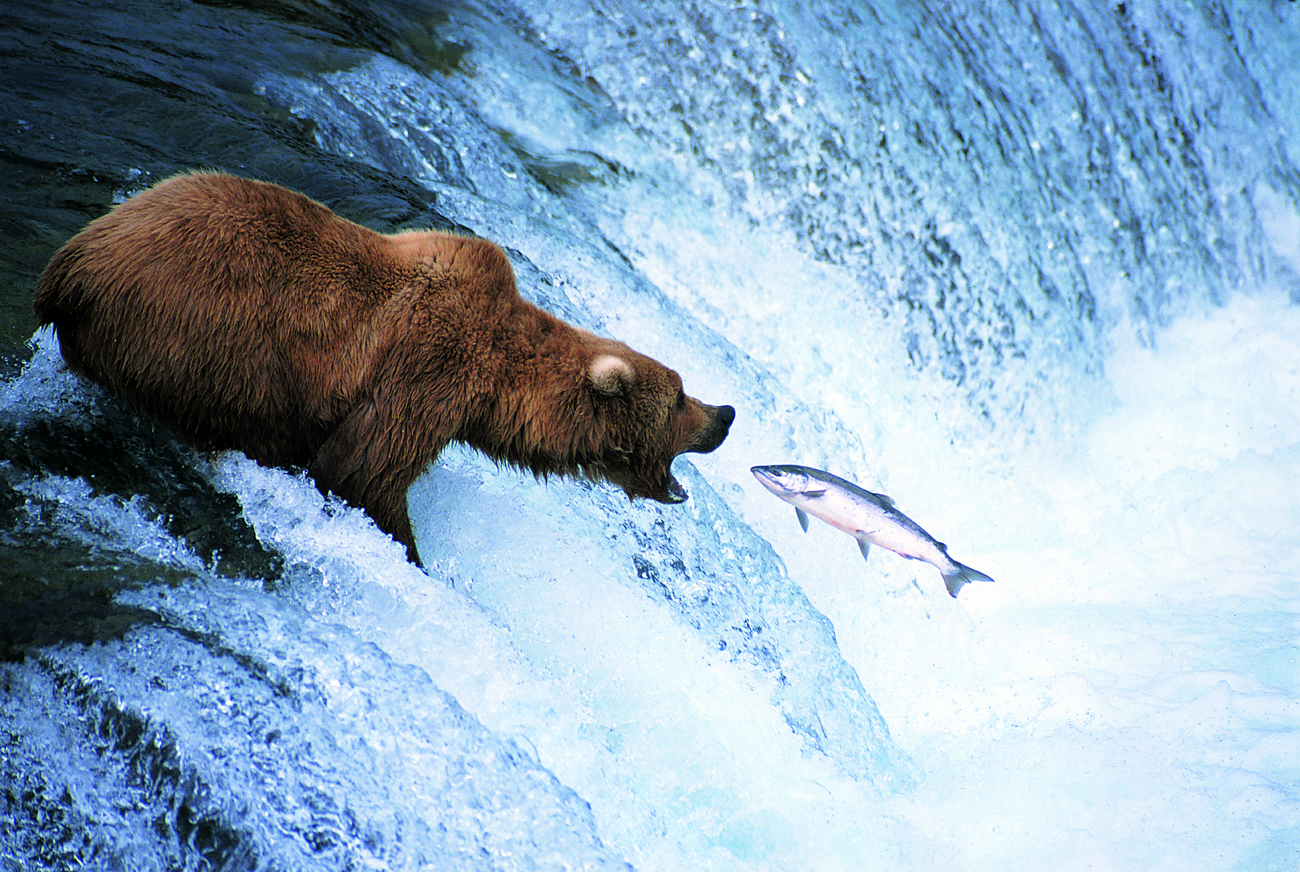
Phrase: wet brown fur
pixel 244 315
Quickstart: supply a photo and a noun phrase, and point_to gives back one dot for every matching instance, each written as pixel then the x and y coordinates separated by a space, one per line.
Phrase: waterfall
pixel 1032 269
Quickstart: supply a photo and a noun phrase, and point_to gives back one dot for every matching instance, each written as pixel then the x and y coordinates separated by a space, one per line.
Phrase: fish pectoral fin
pixel 812 495
pixel 865 547
pixel 803 518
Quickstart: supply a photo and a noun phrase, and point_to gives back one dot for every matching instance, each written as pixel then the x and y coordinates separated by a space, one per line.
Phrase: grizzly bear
pixel 243 315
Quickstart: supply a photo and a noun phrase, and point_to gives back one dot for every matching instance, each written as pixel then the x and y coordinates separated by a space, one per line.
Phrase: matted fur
pixel 244 315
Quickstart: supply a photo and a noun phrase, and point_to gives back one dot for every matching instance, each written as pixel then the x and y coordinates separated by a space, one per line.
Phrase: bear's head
pixel 643 420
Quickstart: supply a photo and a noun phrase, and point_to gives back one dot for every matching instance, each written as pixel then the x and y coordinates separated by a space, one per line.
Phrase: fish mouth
pixel 777 480
pixel 766 477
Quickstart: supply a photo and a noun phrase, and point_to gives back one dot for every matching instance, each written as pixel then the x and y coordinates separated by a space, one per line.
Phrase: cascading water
pixel 1030 269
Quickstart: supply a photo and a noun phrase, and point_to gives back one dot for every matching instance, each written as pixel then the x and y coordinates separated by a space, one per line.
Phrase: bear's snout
pixel 719 418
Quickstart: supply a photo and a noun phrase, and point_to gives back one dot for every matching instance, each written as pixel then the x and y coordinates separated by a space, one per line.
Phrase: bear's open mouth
pixel 673 491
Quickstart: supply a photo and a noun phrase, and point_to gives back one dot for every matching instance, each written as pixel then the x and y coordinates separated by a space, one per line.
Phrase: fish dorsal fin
pixel 803 518
pixel 887 499
pixel 865 547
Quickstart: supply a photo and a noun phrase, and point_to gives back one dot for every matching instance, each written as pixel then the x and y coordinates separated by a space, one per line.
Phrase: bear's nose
pixel 720 418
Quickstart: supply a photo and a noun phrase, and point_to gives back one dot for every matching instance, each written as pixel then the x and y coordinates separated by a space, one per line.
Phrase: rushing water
pixel 1032 269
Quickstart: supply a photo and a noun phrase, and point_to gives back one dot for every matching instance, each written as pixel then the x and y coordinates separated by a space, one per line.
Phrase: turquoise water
pixel 1031 271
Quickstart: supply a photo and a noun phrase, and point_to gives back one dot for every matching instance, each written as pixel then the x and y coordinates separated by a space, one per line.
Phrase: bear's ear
pixel 610 375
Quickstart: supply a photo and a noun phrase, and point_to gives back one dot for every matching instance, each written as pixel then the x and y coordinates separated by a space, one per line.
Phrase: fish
pixel 868 517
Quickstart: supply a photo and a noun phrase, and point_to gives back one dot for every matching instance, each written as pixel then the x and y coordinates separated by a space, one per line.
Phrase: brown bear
pixel 244 315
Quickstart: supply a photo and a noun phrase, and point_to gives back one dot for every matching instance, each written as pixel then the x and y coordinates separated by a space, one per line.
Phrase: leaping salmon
pixel 870 518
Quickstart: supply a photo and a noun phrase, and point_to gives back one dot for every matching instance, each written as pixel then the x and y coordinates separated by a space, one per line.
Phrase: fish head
pixel 786 481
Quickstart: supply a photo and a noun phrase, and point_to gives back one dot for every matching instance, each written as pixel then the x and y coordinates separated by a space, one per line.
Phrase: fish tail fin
pixel 954 578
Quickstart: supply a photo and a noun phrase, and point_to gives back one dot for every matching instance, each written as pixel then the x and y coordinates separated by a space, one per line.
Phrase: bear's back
pixel 220 305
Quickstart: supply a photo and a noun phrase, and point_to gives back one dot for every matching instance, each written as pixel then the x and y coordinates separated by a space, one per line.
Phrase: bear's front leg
pixel 357 463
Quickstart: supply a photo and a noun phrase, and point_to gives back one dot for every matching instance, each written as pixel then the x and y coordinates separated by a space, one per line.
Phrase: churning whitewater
pixel 1030 269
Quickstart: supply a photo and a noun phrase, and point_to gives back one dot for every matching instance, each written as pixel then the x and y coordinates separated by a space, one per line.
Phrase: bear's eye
pixel 681 401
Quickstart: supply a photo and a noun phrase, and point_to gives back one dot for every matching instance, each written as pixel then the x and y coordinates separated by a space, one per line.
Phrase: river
pixel 1031 268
